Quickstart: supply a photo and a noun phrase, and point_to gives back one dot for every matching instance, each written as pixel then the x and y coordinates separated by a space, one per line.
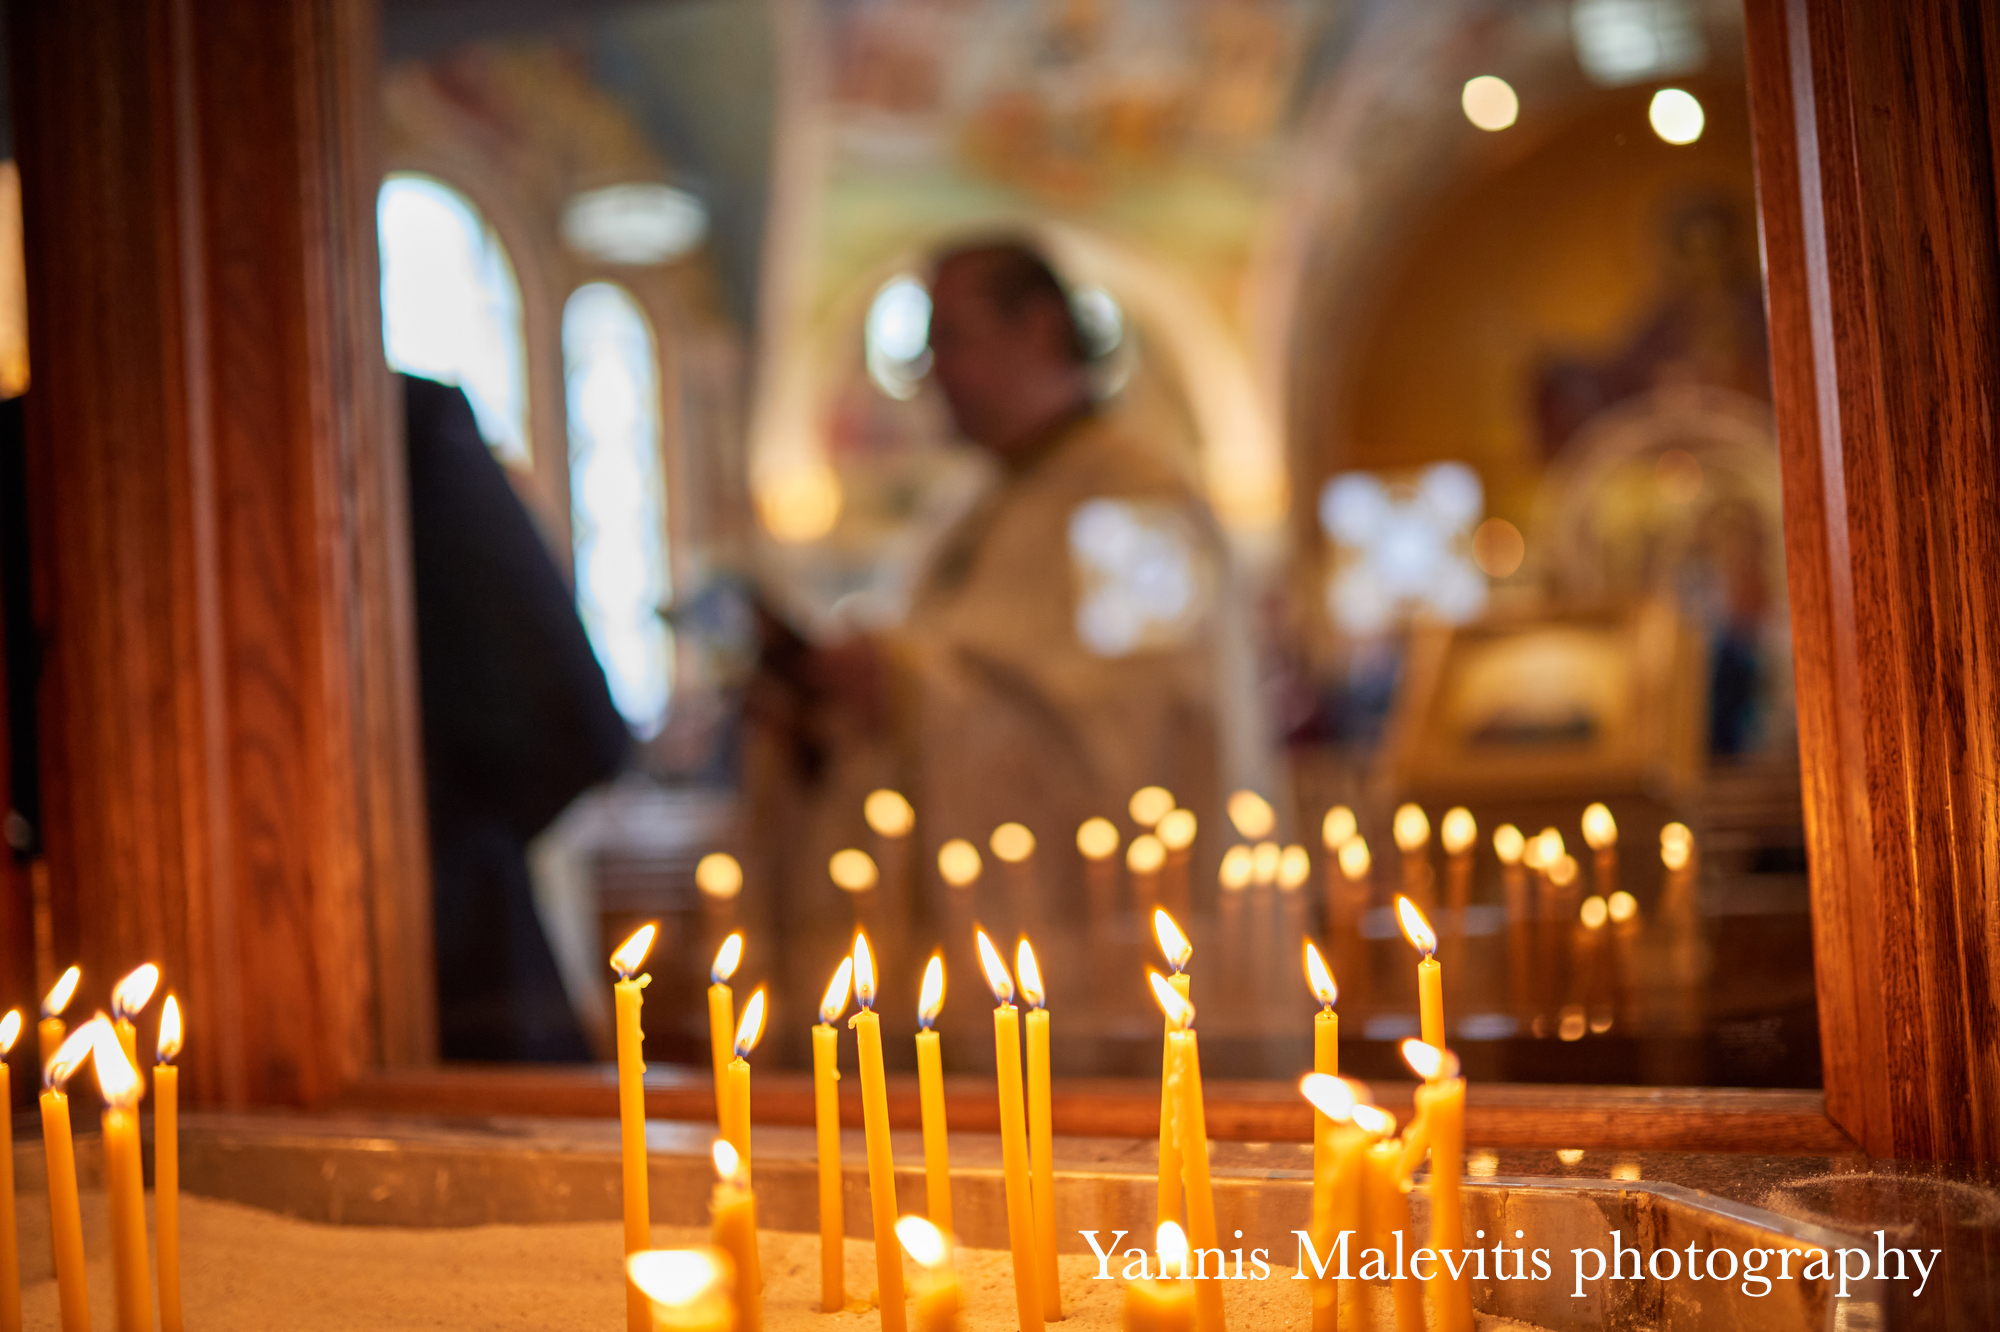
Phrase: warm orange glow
pixel 727 1160
pixel 1337 828
pixel 1552 846
pixel 1176 831
pixel 1237 868
pixel 1294 868
pixel 1171 1243
pixel 1354 858
pixel 958 862
pixel 1252 814
pixel 1178 1010
pixel 834 1002
pixel 69 1056
pixel 1508 844
pixel 751 1028
pixel 1622 906
pixel 864 973
pixel 1457 831
pixel 1333 1097
pixel 888 814
pixel 1562 873
pixel 1675 855
pixel 1031 976
pixel 61 993
pixel 852 871
pixel 1012 843
pixel 10 1031
pixel 1146 854
pixel 718 876
pixel 134 991
pixel 1319 979
pixel 1264 859
pixel 1174 945
pixel 677 1278
pixel 924 1242
pixel 117 1080
pixel 169 1046
pixel 1373 1119
pixel 1097 839
pixel 930 998
pixel 1497 547
pixel 1415 928
pixel 631 954
pixel 1600 830
pixel 1412 828
pixel 1594 912
pixel 1150 804
pixel 727 958
pixel 1676 832
pixel 997 979
pixel 1428 1062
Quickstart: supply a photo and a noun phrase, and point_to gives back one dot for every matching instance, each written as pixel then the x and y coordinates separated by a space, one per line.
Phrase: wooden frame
pixel 230 760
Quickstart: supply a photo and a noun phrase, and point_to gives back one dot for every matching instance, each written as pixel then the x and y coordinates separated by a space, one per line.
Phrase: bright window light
pixel 1676 115
pixel 1403 545
pixel 1490 102
pixel 897 337
pixel 1628 41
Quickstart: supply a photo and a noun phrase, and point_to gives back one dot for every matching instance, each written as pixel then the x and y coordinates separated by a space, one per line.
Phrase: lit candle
pixel 1441 1106
pixel 1560 879
pixel 1386 1213
pixel 892 820
pixel 960 867
pixel 1097 843
pixel 1191 1126
pixel 1014 847
pixel 1326 1022
pixel 124 1182
pixel 50 1032
pixel 826 1114
pixel 1041 1139
pixel 10 1250
pixel 1600 833
pixel 930 1096
pixel 129 998
pixel 936 1290
pixel 1176 833
pixel 1174 946
pixel 1251 814
pixel 1351 948
pixel 685 1290
pixel 1677 855
pixel 1412 831
pixel 875 1121
pixel 1623 908
pixel 1150 804
pixel 1143 861
pixel 1338 1145
pixel 1430 976
pixel 1234 880
pixel 65 1216
pixel 1164 1303
pixel 1013 1136
pixel 1509 846
pixel 748 1032
pixel 1457 833
pixel 854 873
pixel 627 999
pixel 719 878
pixel 167 1163
pixel 1294 868
pixel 721 1019
pixel 733 1229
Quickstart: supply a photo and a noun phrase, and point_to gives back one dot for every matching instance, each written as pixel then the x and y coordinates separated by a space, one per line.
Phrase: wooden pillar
pixel 1874 132
pixel 229 727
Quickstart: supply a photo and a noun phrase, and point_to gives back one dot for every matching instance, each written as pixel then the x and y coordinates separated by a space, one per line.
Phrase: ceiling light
pixel 634 224
pixel 1676 115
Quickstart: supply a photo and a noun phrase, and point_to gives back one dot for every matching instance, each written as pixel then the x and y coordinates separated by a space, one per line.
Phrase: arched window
pixel 451 307
pixel 617 498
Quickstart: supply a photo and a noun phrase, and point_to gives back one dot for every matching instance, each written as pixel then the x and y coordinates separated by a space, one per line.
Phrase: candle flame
pixel 1622 906
pixel 631 954
pixel 1145 855
pixel 751 1028
pixel 1264 860
pixel 834 1002
pixel 1412 829
pixel 1552 846
pixel 134 991
pixel 1593 913
pixel 1562 871
pixel 1319 979
pixel 1012 843
pixel 852 871
pixel 930 1000
pixel 1415 928
pixel 958 862
pixel 1428 1062
pixel 1178 1010
pixel 727 958
pixel 888 814
pixel 10 1031
pixel 718 875
pixel 728 1161
pixel 997 978
pixel 61 993
pixel 1458 831
pixel 1171 1243
pixel 925 1242
pixel 1237 868
pixel 1252 814
pixel 1600 830
pixel 1337 829
pixel 169 1045
pixel 1374 1119
pixel 1675 855
pixel 864 973
pixel 1354 859
pixel 1676 832
pixel 1150 804
pixel 1508 844
pixel 1097 839
pixel 1176 831
pixel 117 1080
pixel 676 1278
pixel 1031 975
pixel 1333 1097
pixel 1174 945
pixel 1294 868
pixel 69 1056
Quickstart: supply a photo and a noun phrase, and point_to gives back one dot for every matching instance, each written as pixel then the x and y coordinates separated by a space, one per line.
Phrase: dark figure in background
pixel 518 721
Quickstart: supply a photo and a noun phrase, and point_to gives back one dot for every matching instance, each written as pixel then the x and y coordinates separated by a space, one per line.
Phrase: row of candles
pixel 110 1044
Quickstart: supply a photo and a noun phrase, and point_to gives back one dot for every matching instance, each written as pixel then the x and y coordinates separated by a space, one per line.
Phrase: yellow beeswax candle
pixel 936 1291
pixel 1430 976
pixel 50 1031
pixel 1041 1140
pixel 1013 1137
pixel 1164 1303
pixel 1412 832
pixel 722 1021
pixel 747 1033
pixel 1326 1062
pixel 129 998
pixel 930 1096
pixel 733 1229
pixel 65 1216
pixel 1191 1127
pixel 1441 1106
pixel 124 1183
pixel 10 1251
pixel 875 1120
pixel 826 1115
pixel 1386 1208
pixel 1338 1145
pixel 167 1163
pixel 1600 833
pixel 1174 946
pixel 627 997
pixel 684 1290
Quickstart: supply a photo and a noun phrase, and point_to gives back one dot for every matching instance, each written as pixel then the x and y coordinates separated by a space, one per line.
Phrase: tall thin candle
pixel 167 1163
pixel 875 1121
pixel 1430 976
pixel 65 1215
pixel 50 1031
pixel 1013 1136
pixel 10 1250
pixel 826 1114
pixel 1174 946
pixel 129 998
pixel 626 993
pixel 1191 1127
pixel 1441 1105
pixel 722 1021
pixel 733 1229
pixel 748 1032
pixel 930 1097
pixel 1041 1141
pixel 1326 1063
pixel 124 1182
pixel 1338 1143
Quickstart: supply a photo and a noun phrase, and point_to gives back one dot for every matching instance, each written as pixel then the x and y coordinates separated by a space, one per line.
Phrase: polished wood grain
pixel 1875 160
